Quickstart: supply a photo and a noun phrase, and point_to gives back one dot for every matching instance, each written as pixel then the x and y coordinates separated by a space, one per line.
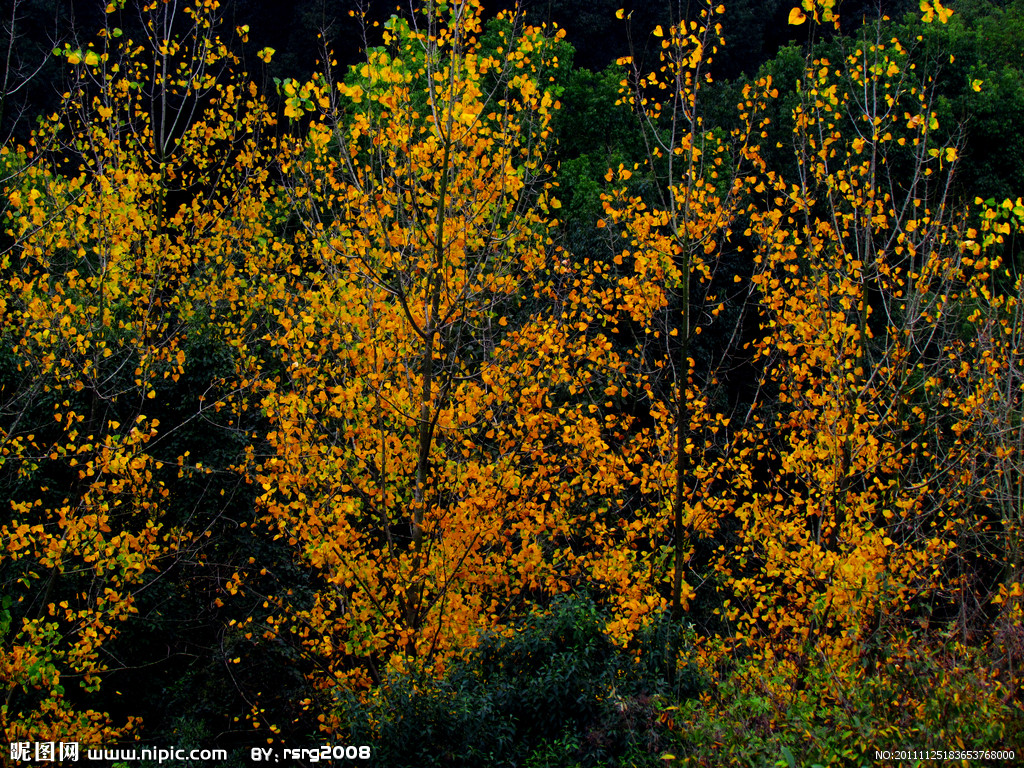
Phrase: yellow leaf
pixel 797 16
pixel 265 54
pixel 658 31
pixel 976 85
pixel 695 57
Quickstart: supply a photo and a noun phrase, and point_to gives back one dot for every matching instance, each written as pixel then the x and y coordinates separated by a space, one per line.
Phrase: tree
pixel 129 229
pixel 421 188
pixel 855 479
pixel 880 312
pixel 667 294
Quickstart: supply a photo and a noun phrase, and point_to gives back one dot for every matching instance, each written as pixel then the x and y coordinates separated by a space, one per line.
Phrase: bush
pixel 925 695
pixel 554 692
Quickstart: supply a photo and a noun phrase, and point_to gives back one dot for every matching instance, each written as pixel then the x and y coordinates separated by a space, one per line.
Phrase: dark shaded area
pixel 301 32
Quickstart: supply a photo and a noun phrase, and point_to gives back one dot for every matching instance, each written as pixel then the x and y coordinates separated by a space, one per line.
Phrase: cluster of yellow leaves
pixel 821 11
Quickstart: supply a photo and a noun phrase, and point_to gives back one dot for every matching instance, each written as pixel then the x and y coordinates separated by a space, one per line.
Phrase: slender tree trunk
pixel 682 422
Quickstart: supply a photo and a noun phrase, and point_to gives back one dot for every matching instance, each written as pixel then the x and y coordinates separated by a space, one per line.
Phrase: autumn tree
pixel 136 220
pixel 439 458
pixel 666 288
pixel 865 470
pixel 880 370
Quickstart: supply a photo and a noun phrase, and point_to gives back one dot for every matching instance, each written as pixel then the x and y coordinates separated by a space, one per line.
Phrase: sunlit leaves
pixel 931 10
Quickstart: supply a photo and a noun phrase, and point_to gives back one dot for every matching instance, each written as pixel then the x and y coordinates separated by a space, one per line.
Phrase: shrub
pixel 556 691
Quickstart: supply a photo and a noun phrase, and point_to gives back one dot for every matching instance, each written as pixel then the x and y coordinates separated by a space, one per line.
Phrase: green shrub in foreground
pixel 557 692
